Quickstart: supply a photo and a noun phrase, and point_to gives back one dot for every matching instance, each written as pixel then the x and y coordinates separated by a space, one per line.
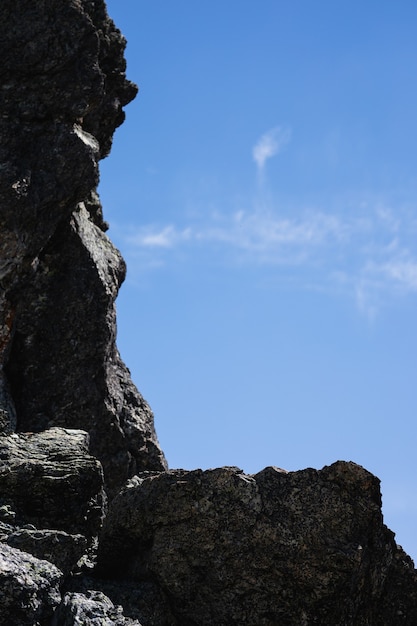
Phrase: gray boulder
pixel 306 547
pixel 142 602
pixel 52 499
pixel 29 589
pixel 62 549
pixel 90 609
pixel 49 480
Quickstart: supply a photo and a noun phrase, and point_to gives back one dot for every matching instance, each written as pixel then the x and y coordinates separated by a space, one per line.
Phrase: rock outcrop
pixel 94 529
pixel 306 547
pixel 51 494
pixel 29 588
pixel 63 86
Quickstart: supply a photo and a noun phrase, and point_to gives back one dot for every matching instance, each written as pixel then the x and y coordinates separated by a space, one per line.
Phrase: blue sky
pixel 263 193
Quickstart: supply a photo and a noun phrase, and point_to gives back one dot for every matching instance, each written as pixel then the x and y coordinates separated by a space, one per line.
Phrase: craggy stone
pixel 90 609
pixel 144 602
pixel 57 547
pixel 62 91
pixel 298 548
pixel 50 481
pixel 64 366
pixel 29 589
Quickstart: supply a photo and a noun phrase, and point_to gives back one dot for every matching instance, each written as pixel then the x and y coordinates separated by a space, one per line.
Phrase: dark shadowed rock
pixel 306 547
pixel 64 367
pixel 62 91
pixel 56 546
pixel 52 499
pixel 50 481
pixel 143 602
pixel 90 609
pixel 29 589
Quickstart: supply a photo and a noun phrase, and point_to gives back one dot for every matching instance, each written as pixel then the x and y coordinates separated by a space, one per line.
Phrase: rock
pixel 51 495
pixel 142 602
pixel 29 589
pixel 90 609
pixel 49 480
pixel 306 547
pixel 62 95
pixel 64 367
pixel 57 547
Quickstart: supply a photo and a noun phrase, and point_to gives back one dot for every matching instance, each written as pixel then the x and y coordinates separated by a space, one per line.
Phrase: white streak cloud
pixel 154 237
pixel 363 253
pixel 270 144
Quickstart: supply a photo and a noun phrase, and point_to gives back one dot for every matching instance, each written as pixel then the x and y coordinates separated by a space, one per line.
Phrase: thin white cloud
pixel 154 237
pixel 399 271
pixel 267 237
pixel 257 233
pixel 361 253
pixel 403 272
pixel 270 144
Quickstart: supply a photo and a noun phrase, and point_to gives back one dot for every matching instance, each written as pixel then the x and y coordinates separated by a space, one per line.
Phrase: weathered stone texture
pixel 50 481
pixel 91 609
pixel 56 546
pixel 142 602
pixel 64 366
pixel 62 92
pixel 29 589
pixel 295 548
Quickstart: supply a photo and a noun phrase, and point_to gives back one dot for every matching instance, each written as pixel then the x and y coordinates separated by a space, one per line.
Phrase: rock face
pixel 176 548
pixel 93 608
pixel 305 547
pixel 62 92
pixel 29 588
pixel 51 495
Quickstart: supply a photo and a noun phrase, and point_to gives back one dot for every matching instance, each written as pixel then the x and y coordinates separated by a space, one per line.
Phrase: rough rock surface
pixel 177 548
pixel 62 90
pixel 142 602
pixel 52 499
pixel 49 480
pixel 60 548
pixel 306 547
pixel 91 609
pixel 29 588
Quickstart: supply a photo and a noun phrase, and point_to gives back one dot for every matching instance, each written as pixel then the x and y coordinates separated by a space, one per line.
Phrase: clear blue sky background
pixel 263 192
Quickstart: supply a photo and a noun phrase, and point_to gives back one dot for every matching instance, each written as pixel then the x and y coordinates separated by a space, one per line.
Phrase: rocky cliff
pixel 93 527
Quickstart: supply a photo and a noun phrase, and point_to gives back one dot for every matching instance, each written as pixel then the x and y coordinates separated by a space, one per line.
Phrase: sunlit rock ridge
pixel 94 529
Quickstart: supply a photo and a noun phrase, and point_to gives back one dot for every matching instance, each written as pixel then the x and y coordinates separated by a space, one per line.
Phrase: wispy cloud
pixel 362 253
pixel 270 144
pixel 403 272
pixel 262 234
pixel 163 237
pixel 266 237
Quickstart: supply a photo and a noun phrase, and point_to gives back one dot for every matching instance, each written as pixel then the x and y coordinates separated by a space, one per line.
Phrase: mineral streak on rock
pixel 178 548
pixel 63 88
